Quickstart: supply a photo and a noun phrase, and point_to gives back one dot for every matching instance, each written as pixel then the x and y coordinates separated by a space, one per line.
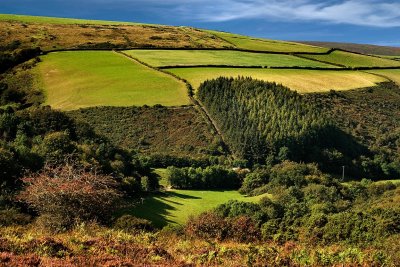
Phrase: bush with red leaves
pixel 65 195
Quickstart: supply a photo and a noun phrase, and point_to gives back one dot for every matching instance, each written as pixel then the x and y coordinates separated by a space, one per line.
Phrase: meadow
pixel 354 60
pixel 393 75
pixel 390 57
pixel 257 44
pixel 163 58
pixel 75 80
pixel 303 81
pixel 176 206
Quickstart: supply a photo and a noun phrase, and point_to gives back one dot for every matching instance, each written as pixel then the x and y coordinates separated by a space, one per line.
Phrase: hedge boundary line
pixel 185 49
pixel 195 102
pixel 245 67
pixel 344 66
pixel 188 85
pixel 273 67
pixel 296 54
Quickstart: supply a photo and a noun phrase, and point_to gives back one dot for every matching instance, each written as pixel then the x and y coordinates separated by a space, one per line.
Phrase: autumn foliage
pixel 65 195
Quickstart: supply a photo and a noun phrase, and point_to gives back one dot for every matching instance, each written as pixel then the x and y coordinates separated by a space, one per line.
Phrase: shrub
pixel 9 168
pixel 130 223
pixel 207 225
pixel 270 229
pixel 235 208
pixel 66 194
pixel 150 183
pixel 244 229
pixel 13 217
pixel 56 146
pixel 352 227
pixel 271 209
pixel 254 180
pixel 292 174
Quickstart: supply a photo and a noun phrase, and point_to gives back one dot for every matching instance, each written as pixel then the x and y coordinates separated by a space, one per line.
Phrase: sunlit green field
pixel 394 74
pixel 75 80
pixel 390 57
pixel 53 20
pixel 303 81
pixel 257 44
pixel 162 58
pixel 354 60
pixel 175 206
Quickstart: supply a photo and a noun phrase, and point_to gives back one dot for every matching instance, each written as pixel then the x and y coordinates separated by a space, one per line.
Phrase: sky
pixel 358 21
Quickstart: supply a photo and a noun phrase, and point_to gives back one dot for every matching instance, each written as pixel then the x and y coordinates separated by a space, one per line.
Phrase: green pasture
pixel 354 60
pixel 303 81
pixel 175 206
pixel 81 79
pixel 258 44
pixel 392 74
pixel 162 58
pixel 54 20
pixel 390 57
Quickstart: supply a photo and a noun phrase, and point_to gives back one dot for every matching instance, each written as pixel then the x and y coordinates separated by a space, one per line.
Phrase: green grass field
pixel 393 75
pixel 175 206
pixel 303 81
pixel 390 57
pixel 354 60
pixel 257 44
pixel 54 20
pixel 75 80
pixel 162 58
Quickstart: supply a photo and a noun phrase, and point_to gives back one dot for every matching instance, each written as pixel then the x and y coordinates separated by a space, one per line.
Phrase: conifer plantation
pixel 265 122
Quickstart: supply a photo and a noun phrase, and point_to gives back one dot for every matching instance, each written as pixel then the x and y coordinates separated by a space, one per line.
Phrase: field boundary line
pixel 383 76
pixel 321 61
pixel 247 67
pixel 195 102
pixel 185 49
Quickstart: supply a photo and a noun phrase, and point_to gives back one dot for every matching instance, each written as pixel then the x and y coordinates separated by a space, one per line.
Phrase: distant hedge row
pixel 9 60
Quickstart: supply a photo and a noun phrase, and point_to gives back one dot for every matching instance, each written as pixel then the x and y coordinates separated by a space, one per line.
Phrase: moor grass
pixel 303 81
pixel 53 36
pixel 354 60
pixel 163 58
pixel 179 131
pixel 75 80
pixel 359 48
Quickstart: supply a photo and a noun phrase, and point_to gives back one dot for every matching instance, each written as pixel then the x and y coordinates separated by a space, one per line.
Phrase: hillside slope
pixel 63 33
pixel 359 48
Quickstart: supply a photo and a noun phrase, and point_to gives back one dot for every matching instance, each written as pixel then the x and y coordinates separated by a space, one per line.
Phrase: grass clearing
pixel 175 206
pixel 258 44
pixel 162 58
pixel 393 74
pixel 303 81
pixel 75 80
pixel 354 60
